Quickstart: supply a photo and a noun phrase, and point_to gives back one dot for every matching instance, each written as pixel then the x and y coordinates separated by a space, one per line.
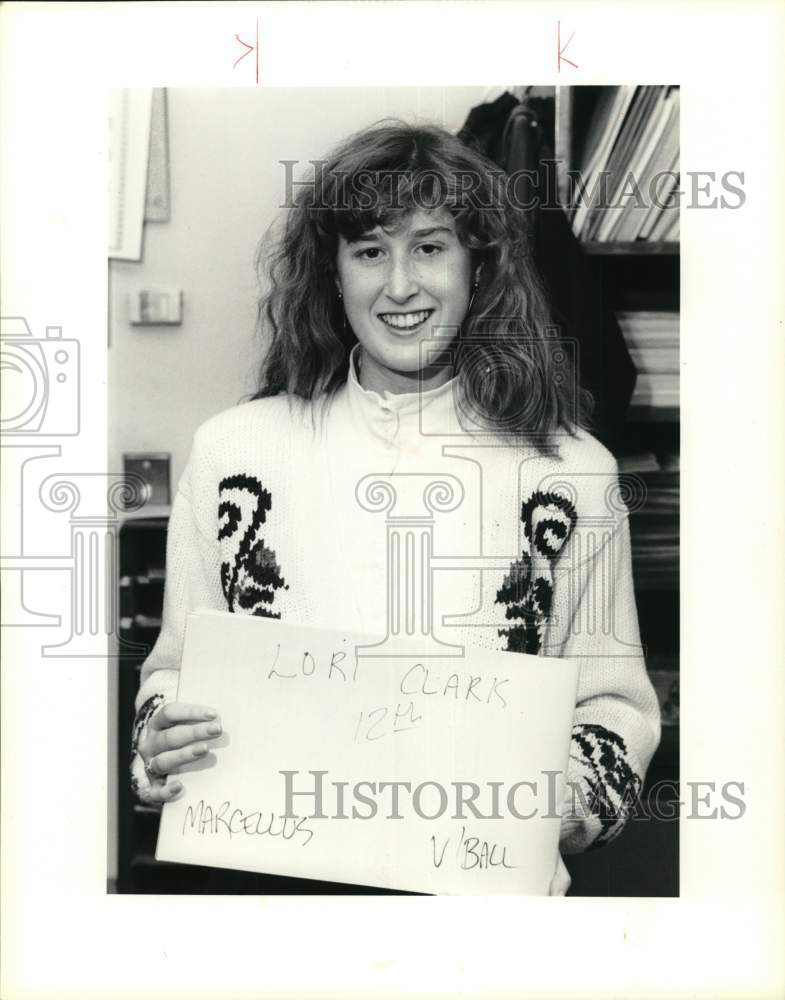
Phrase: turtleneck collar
pixel 400 401
pixel 383 414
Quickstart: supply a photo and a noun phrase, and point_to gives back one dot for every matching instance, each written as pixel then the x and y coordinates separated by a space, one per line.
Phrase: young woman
pixel 410 342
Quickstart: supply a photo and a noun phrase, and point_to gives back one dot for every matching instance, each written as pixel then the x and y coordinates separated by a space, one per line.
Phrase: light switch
pixel 156 307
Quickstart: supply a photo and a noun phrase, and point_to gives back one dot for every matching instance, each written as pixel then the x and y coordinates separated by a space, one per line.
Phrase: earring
pixel 343 311
pixel 475 287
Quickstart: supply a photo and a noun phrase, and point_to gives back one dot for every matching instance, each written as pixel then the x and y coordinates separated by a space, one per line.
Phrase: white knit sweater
pixel 284 511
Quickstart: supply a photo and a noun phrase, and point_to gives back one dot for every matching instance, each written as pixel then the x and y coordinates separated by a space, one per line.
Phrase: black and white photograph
pixel 461 438
pixel 392 434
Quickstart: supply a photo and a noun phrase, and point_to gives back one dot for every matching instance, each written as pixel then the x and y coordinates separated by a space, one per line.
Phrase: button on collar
pixel 400 416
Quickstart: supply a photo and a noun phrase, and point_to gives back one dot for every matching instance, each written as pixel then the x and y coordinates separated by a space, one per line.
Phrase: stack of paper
pixel 653 341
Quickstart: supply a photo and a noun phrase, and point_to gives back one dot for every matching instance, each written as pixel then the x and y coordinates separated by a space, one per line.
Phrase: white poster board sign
pixel 438 775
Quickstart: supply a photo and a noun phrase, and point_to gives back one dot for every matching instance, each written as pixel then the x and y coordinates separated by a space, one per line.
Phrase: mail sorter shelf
pixel 142 559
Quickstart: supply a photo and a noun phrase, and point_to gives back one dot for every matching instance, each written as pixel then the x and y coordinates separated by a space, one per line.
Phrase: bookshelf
pixel 638 247
pixel 640 282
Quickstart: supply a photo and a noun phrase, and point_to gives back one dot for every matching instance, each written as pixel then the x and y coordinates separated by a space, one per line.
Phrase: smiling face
pixel 401 288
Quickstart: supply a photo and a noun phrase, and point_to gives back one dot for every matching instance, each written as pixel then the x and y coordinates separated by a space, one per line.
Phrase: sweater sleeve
pixel 192 583
pixel 616 725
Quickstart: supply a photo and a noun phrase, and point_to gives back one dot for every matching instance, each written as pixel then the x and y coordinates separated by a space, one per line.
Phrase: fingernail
pixel 210 714
pixel 176 788
pixel 200 749
pixel 214 729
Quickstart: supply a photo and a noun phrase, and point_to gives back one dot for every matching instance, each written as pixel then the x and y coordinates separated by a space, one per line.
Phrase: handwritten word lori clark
pixel 470 853
pixel 416 680
pixel 203 819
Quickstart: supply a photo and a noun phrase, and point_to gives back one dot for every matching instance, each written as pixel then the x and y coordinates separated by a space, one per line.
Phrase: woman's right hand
pixel 176 734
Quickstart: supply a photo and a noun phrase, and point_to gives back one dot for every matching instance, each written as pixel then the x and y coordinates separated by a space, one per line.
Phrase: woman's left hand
pixel 561 880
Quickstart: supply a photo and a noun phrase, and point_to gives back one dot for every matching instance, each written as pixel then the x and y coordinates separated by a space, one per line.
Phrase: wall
pixel 226 184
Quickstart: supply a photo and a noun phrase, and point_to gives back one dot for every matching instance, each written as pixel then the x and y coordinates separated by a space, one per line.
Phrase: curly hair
pixel 512 371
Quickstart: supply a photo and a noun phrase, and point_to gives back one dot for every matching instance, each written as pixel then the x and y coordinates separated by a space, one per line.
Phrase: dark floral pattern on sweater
pixel 613 785
pixel 548 521
pixel 250 573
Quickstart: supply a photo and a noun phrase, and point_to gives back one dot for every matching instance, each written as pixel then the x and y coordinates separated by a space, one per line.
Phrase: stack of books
pixel 627 186
pixel 653 342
